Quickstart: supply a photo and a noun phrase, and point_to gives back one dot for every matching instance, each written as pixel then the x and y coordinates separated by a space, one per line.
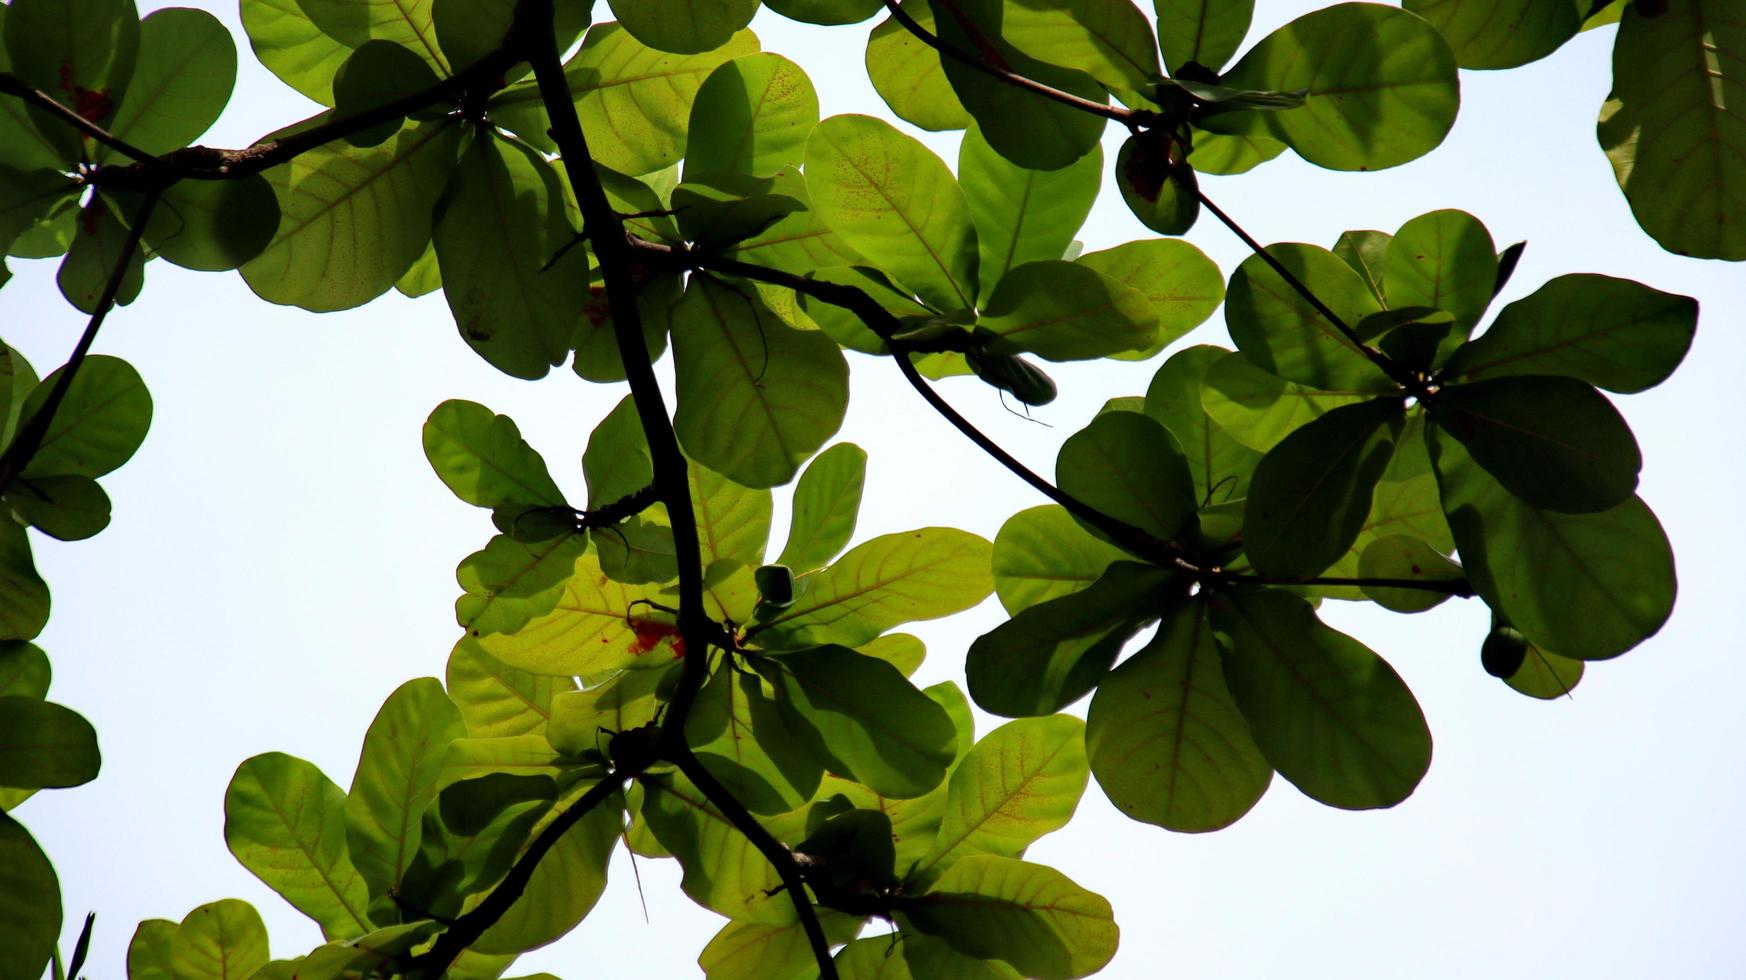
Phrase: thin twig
pixel 30 434
pixel 1459 587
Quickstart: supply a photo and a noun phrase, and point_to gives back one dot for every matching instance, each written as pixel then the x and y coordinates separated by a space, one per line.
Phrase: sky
pixel 281 558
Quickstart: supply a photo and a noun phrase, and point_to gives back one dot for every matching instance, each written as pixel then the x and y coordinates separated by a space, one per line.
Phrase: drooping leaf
pixel 1545 676
pixel 1589 586
pixel 45 745
pixel 826 502
pixel 1042 554
pixel 1182 284
pixel 496 699
pixel 97 426
pixel 99 241
pixel 1129 467
pixel 1052 654
pixel 1444 260
pixel 1064 311
pixel 634 100
pixel 30 903
pixel 186 68
pixel 1029 915
pixel 1500 35
pixel 218 941
pixel 891 199
pixel 1022 215
pixel 1021 781
pixel 286 822
pixel 1156 186
pixel 756 396
pixel 862 718
pixel 888 581
pixel 1329 715
pixel 752 115
pixel 907 74
pixel 1554 442
pixel 397 778
pixel 1220 464
pixel 1397 556
pixel 1166 740
pixel 1311 493
pixel 1379 85
pixel 1204 33
pixel 352 220
pixel 1612 333
pixel 1282 332
pixel 1676 123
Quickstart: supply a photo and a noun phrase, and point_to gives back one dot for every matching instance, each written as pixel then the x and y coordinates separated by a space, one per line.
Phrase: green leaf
pixel 24 671
pixel 96 249
pixel 634 101
pixel 752 115
pixel 1052 654
pixel 1202 32
pixel 28 196
pixel 1330 715
pixel 737 732
pixel 24 598
pixel 1182 284
pixel 827 12
pixel 578 718
pixel 1259 409
pixel 70 508
pixel 1155 186
pixel 186 69
pixel 482 457
pixel 826 502
pixel 733 521
pixel 1224 153
pixel 888 581
pixel 292 47
pixel 1109 40
pixel 756 396
pixel 1064 311
pixel 510 583
pixel 1128 466
pixel 468 31
pixel 1281 332
pixel 799 242
pixel 909 955
pixel 1500 35
pixel 214 225
pixel 760 951
pixel 30 903
pixel 718 208
pixel 219 941
pixel 286 822
pixel 396 780
pixel 863 719
pixel 1400 557
pixel 1554 442
pixel 352 220
pixel 564 886
pixel 1444 260
pixel 98 425
pixel 1379 86
pixel 1021 781
pixel 22 145
pixel 592 628
pixel 907 74
pixel 148 953
pixel 44 745
pixel 1042 554
pixel 1545 676
pixel 377 73
pixel 500 225
pixel 1675 124
pixel 617 464
pixel 1310 494
pixel 1165 738
pixel 1589 586
pixel 683 26
pixel 1022 215
pixel 83 55
pixel 891 199
pixel 1613 333
pixel 723 872
pixel 496 699
pixel 1029 915
pixel 355 22
pixel 1221 466
pixel 1365 252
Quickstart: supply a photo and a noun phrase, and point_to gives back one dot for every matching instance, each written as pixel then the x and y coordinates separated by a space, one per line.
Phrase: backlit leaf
pixel 1282 332
pixel 1128 466
pixel 1500 34
pixel 752 115
pixel 30 900
pixel 1220 464
pixel 1182 284
pixel 219 941
pixel 1064 311
pixel 907 74
pixel 1042 553
pixel 186 67
pixel 286 822
pixel 396 780
pixel 482 457
pixel 1444 260
pixel 1022 215
pixel 826 502
pixel 1029 915
pixel 1202 32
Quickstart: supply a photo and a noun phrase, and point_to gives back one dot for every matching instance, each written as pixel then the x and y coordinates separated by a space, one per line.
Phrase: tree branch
pixel 1127 117
pixel 31 433
pixel 466 930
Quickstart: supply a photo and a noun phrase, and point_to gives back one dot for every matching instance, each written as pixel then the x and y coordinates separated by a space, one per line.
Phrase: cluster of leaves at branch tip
pixel 1371 437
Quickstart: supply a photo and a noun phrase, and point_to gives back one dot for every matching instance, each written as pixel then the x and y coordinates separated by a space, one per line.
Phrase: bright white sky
pixel 282 558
